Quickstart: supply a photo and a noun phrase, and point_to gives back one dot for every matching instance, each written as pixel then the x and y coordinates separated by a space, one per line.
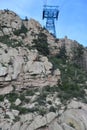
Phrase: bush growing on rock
pixel 10 42
pixel 41 44
pixel 23 29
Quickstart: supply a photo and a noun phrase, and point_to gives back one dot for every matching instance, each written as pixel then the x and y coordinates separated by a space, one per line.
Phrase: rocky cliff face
pixel 20 66
pixel 43 80
pixel 23 68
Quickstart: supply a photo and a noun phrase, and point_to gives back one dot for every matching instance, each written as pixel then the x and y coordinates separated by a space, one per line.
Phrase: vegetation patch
pixel 78 54
pixel 12 96
pixel 73 77
pixel 23 29
pixel 52 109
pixel 1 98
pixel 42 111
pixel 41 44
pixel 10 42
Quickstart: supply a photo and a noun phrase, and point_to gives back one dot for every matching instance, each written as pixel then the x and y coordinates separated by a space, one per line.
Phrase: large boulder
pixel 9 19
pixel 76 118
pixel 55 126
pixel 67 127
pixel 6 90
pixel 22 67
pixel 16 126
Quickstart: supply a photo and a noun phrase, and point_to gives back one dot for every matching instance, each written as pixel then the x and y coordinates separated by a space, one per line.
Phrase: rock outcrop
pixel 32 95
pixel 9 21
pixel 70 119
pixel 25 68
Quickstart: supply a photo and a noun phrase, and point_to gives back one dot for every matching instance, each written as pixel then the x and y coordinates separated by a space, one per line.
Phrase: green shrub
pixel 42 111
pixel 42 98
pixel 49 102
pixel 62 53
pixel 30 92
pixel 10 42
pixel 21 110
pixel 24 110
pixel 73 79
pixel 23 29
pixel 47 89
pixel 4 39
pixel 12 96
pixel 41 44
pixel 52 109
pixel 1 98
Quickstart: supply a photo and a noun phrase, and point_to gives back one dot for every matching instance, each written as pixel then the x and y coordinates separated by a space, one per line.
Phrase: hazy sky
pixel 72 20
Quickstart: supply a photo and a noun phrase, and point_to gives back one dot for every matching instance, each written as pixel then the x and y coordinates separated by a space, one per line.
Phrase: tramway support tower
pixel 50 14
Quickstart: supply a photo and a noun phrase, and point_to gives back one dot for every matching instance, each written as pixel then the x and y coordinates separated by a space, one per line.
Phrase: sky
pixel 72 21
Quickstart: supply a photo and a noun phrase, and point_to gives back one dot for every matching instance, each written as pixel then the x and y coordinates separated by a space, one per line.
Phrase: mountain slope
pixel 43 80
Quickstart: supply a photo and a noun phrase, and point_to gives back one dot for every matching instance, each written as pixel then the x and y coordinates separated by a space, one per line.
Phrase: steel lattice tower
pixel 50 13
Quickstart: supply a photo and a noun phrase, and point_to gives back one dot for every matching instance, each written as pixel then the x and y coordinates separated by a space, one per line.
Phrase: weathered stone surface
pixel 20 61
pixel 6 31
pixel 36 67
pixel 15 112
pixel 6 103
pixel 50 116
pixel 10 114
pixel 8 78
pixel 75 117
pixel 17 65
pixel 67 127
pixel 5 125
pixel 33 24
pixel 6 90
pixel 38 122
pixel 55 126
pixel 25 126
pixel 29 105
pixel 57 101
pixel 34 98
pixel 17 102
pixel 10 20
pixel 26 117
pixel 16 126
pixel 22 67
pixel 77 105
pixel 48 66
pixel 3 70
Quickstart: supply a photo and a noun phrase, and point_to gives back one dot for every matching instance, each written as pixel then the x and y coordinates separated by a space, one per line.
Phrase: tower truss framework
pixel 50 13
